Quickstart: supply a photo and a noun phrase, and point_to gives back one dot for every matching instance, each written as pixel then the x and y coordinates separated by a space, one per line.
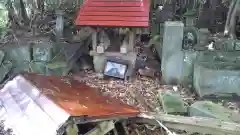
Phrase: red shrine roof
pixel 114 13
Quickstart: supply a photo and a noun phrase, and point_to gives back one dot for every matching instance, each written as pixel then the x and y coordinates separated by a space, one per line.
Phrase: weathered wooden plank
pixel 192 124
pixel 114 18
pixel 114 4
pixel 114 13
pixel 113 9
pixel 125 14
pixel 113 23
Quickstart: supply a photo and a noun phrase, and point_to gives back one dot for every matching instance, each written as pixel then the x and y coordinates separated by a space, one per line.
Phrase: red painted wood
pixel 129 14
pixel 113 23
pixel 125 13
pixel 114 4
pixel 76 98
pixel 113 9
pixel 113 18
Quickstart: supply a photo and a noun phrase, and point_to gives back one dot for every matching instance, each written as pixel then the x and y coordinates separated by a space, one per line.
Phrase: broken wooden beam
pixel 191 124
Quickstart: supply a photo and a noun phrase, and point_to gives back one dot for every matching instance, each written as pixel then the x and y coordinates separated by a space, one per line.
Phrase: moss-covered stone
pixel 172 103
pixel 38 67
pixel 216 78
pixel 57 68
pixel 18 54
pixel 42 52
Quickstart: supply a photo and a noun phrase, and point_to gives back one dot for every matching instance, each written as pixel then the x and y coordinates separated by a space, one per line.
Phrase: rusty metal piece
pixel 40 105
pixel 78 99
pixel 114 13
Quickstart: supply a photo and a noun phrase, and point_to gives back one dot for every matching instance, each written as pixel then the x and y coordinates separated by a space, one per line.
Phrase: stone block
pixel 172 103
pixel 38 67
pixel 172 37
pixel 217 78
pixel 60 68
pixel 172 55
pixel 24 67
pixel 172 69
pixel 43 51
pixel 99 60
pixel 18 54
pixel 218 56
pixel 188 64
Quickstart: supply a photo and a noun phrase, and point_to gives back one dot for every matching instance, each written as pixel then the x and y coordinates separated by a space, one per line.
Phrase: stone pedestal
pixel 99 60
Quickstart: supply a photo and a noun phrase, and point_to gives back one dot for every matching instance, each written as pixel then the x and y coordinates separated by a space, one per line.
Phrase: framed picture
pixel 115 69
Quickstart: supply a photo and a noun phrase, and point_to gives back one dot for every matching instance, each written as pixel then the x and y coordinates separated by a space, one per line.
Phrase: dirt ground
pixel 141 92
